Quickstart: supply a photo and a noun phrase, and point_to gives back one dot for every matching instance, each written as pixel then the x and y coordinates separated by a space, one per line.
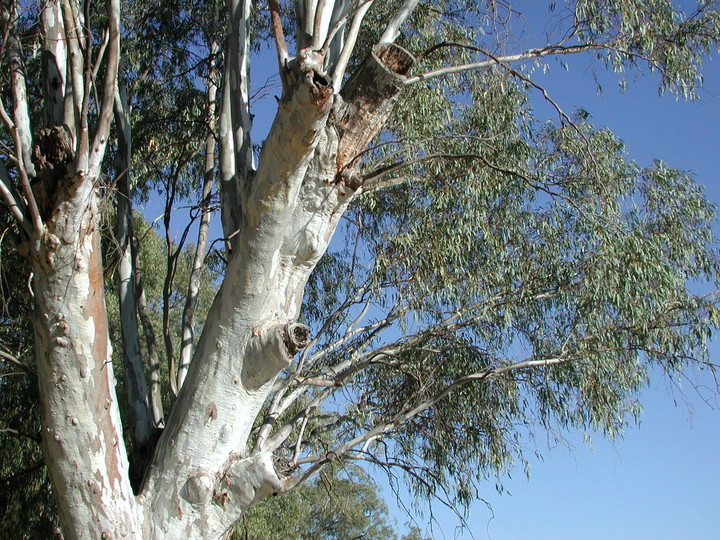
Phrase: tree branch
pixel 102 131
pixel 532 53
pixel 338 73
pixel 12 200
pixel 5 355
pixel 236 154
pixel 22 172
pixel 392 31
pixel 282 50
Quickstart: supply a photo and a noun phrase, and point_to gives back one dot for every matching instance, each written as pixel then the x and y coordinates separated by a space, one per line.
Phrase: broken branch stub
pixel 368 99
pixel 273 350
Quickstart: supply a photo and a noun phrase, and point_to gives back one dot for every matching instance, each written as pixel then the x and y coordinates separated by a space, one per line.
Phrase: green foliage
pixel 654 33
pixel 530 267
pixel 27 507
pixel 338 505
pixel 533 256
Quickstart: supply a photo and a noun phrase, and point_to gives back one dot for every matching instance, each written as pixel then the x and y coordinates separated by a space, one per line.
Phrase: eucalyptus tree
pixel 499 275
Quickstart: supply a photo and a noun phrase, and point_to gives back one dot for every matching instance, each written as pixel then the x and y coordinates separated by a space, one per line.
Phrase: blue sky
pixel 662 480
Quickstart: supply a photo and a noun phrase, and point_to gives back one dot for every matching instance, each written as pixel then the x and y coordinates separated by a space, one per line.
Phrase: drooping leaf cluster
pixel 530 266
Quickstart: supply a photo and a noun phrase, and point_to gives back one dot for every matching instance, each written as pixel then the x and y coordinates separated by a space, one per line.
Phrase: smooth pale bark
pixel 236 156
pixel 193 291
pixel 201 479
pixel 57 101
pixel 82 434
pixel 248 335
pixel 21 114
pixel 202 476
pixel 141 419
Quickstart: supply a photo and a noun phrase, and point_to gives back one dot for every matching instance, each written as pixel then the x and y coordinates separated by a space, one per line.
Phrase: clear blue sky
pixel 662 480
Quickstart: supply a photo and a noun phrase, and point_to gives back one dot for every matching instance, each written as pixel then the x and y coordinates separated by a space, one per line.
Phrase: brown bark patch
pixel 52 153
pixel 369 97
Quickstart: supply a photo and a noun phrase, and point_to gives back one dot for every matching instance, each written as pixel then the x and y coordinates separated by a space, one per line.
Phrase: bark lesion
pixel 366 102
pixel 52 154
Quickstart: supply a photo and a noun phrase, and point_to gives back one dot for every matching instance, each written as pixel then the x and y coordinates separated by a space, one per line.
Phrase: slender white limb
pixel 320 23
pixel 102 131
pixel 347 50
pixel 101 53
pixel 408 414
pixel 332 46
pixel 21 113
pixel 17 209
pixel 76 79
pixel 309 16
pixel 282 50
pixel 188 318
pixel 401 15
pixel 24 180
pixel 136 385
pixel 532 53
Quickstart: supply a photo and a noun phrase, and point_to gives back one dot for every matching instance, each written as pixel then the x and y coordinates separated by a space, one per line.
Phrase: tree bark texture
pixel 82 434
pixel 281 219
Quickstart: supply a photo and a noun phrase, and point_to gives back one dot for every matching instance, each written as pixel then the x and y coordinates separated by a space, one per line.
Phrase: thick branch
pixel 236 153
pixel 102 130
pixel 282 50
pixel 349 45
pixel 54 66
pixel 392 31
pixel 369 97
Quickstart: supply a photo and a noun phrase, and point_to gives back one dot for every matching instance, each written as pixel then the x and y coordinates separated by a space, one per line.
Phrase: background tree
pixel 499 275
pixel 335 505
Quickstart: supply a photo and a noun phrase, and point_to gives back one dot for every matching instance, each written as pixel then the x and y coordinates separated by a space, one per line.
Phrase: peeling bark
pixel 82 435
pixel 369 97
pixel 58 103
pixel 279 220
pixel 239 352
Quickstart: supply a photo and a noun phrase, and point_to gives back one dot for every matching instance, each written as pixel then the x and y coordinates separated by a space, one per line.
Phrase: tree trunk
pixel 202 477
pixel 82 435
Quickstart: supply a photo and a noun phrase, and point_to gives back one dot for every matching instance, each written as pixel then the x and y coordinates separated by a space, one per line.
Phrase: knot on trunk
pixel 307 71
pixel 198 489
pixel 270 351
pixel 297 337
pixel 247 481
pixel 53 151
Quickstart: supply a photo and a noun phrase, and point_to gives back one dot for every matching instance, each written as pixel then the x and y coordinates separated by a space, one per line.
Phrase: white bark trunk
pixel 82 435
pixel 202 476
pixel 141 419
pixel 246 340
pixel 188 318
